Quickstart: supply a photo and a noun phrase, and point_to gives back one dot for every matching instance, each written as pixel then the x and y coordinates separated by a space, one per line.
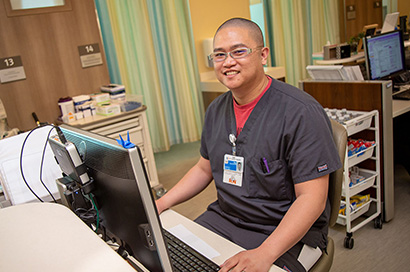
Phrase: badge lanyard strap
pixel 232 139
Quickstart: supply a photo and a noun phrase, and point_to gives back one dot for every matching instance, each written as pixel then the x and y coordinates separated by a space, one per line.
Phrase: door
pixel 47 44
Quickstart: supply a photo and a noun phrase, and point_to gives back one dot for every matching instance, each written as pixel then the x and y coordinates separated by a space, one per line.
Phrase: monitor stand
pixel 403 27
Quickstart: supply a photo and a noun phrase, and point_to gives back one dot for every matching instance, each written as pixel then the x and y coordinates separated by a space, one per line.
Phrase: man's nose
pixel 229 61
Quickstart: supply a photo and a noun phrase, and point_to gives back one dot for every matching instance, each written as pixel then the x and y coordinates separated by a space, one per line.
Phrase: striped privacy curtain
pixel 298 28
pixel 149 48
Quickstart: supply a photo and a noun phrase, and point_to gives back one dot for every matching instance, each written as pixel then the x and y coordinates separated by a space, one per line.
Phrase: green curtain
pixel 156 59
pixel 298 28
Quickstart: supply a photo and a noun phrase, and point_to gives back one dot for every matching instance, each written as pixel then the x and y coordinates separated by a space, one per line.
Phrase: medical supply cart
pixel 357 180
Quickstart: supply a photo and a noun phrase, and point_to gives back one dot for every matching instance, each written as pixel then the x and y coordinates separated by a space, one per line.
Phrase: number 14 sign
pixel 90 55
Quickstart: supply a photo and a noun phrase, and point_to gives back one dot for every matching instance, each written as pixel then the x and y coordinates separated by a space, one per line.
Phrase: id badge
pixel 233 170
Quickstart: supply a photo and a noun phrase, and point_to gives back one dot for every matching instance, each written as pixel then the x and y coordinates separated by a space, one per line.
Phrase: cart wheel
pixel 349 242
pixel 378 223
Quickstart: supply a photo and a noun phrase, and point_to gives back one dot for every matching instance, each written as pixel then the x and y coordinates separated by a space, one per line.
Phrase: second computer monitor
pixel 384 55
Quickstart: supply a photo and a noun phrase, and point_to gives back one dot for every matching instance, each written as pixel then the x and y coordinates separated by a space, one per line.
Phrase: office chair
pixel 335 192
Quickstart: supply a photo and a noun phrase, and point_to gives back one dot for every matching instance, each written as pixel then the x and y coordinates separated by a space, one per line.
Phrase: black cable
pixel 61 135
pixel 41 166
pixel 104 233
pixel 21 164
pixel 97 215
pixel 112 245
pixel 87 215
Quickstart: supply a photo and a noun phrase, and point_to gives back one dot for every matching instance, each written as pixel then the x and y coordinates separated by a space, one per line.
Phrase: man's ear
pixel 264 55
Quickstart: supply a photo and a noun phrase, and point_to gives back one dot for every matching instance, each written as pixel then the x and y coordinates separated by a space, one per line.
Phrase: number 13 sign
pixel 11 69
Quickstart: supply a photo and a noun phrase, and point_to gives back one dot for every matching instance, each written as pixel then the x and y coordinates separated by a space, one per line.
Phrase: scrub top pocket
pixel 268 185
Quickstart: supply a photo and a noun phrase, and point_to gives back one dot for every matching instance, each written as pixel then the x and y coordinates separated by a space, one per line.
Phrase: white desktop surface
pixel 50 237
pixel 318 57
pixel 226 248
pixel 358 57
pixel 400 107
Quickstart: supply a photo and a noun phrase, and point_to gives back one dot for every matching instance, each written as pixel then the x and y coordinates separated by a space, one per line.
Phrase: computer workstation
pixel 385 60
pixel 123 206
pixel 386 73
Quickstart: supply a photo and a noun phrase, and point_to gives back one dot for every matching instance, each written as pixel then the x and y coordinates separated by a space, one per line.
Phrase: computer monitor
pixel 384 54
pixel 124 198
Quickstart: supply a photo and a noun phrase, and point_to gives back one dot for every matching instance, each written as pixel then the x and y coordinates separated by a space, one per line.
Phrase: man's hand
pixel 160 209
pixel 254 260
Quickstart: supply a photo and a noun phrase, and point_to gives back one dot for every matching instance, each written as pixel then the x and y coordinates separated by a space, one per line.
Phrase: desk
pixel 50 237
pixel 400 107
pixel 226 248
pixel 359 57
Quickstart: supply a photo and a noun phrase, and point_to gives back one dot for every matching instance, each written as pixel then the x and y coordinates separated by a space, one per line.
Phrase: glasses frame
pixel 249 51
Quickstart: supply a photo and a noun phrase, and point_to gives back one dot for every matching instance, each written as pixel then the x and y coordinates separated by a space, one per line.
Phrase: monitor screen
pixel 123 195
pixel 384 55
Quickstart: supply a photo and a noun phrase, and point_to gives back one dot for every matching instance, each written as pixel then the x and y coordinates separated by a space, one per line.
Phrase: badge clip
pixel 232 139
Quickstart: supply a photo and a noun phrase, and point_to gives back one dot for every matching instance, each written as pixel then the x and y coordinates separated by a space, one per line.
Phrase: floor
pixel 385 249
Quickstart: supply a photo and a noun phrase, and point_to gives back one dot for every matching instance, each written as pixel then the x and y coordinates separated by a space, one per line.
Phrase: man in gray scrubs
pixel 269 148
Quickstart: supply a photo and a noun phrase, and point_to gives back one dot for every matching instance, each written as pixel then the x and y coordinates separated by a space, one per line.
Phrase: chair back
pixel 336 178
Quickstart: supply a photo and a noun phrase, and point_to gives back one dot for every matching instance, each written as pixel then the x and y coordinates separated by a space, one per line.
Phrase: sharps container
pixel 66 105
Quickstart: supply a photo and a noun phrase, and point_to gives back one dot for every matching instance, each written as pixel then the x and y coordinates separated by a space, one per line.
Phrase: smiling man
pixel 268 147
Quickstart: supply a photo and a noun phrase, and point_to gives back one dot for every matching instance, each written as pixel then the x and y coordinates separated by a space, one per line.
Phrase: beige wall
pixel 403 6
pixel 207 16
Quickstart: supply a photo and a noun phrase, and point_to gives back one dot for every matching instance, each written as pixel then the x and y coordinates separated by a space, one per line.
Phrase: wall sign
pixel 11 69
pixel 351 12
pixel 90 55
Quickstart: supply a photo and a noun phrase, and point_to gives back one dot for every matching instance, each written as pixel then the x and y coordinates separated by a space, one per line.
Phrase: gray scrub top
pixel 292 132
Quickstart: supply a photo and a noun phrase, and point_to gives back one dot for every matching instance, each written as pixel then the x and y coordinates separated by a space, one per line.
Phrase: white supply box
pixel 107 110
pixel 100 98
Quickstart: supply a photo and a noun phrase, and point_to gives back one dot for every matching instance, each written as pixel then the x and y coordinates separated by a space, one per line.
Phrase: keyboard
pixel 186 259
pixel 402 95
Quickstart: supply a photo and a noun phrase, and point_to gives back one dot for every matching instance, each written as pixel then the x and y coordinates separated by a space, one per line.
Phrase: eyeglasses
pixel 235 54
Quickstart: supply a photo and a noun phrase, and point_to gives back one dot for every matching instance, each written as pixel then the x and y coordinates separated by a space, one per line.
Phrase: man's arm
pixel 311 197
pixel 196 180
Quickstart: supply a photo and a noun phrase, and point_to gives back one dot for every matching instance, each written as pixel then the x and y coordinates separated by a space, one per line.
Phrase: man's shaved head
pixel 252 27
